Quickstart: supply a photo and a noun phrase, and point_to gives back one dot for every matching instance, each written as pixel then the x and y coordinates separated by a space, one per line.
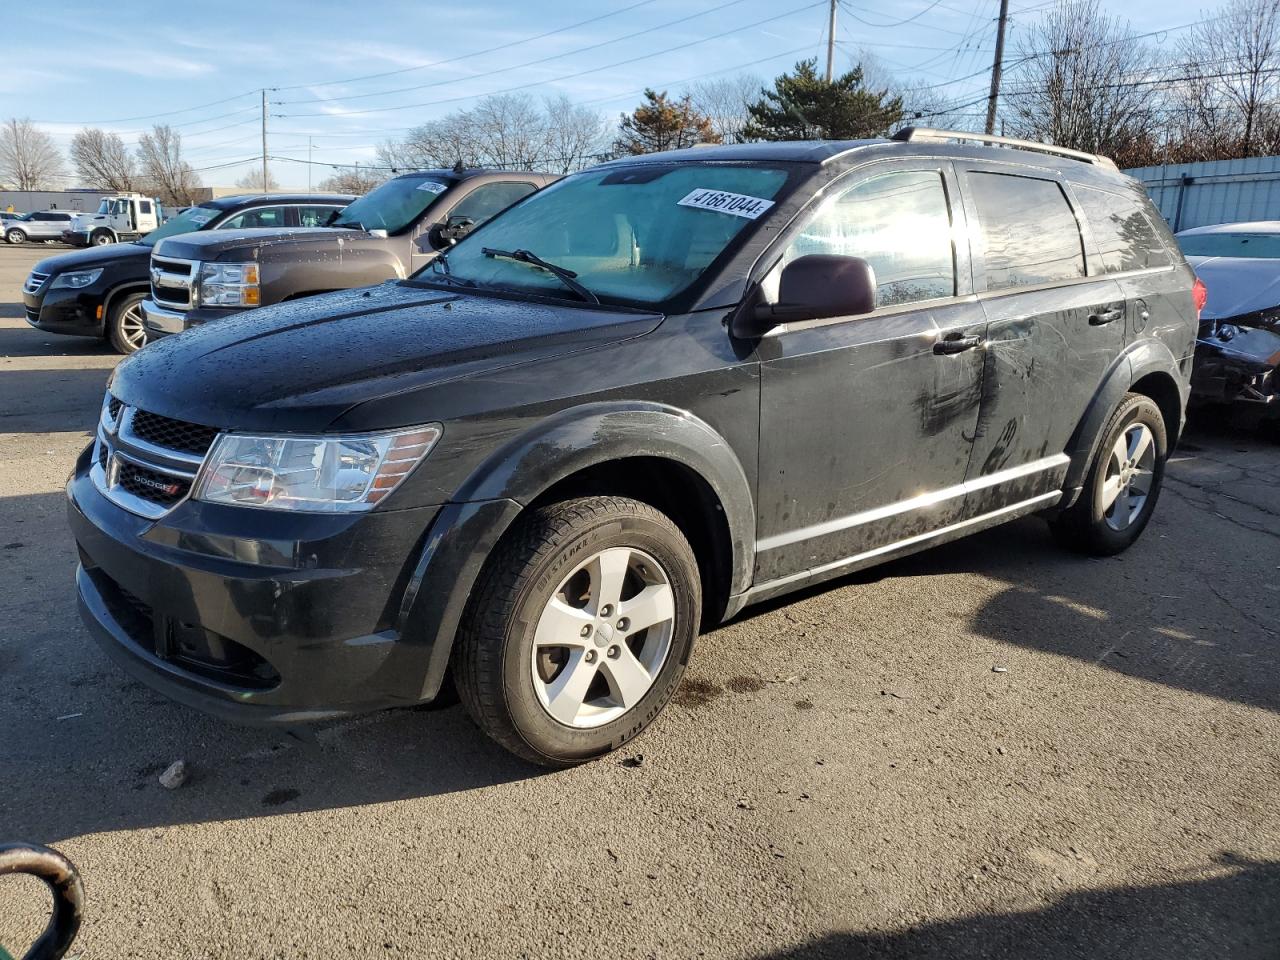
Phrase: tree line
pixel 1075 76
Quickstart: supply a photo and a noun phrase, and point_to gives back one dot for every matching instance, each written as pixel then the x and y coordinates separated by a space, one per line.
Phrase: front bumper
pixel 255 616
pixel 75 312
pixel 164 322
pixel 75 238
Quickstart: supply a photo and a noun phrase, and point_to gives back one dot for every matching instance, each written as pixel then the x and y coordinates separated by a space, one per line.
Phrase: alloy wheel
pixel 603 637
pixel 1130 473
pixel 132 327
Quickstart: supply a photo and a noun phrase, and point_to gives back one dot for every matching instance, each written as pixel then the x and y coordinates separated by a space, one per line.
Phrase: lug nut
pixel 591 656
pixel 606 610
pixel 624 623
pixel 613 653
pixel 586 631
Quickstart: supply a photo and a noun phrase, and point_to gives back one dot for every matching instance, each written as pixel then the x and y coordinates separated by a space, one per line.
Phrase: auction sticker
pixel 433 186
pixel 738 204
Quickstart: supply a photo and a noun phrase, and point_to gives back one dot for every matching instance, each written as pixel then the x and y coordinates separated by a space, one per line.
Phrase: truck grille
pixel 173 281
pixel 144 462
pixel 34 282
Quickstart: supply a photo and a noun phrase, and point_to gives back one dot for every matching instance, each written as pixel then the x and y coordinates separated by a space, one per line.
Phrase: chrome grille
pixel 173 281
pixel 144 462
pixel 34 282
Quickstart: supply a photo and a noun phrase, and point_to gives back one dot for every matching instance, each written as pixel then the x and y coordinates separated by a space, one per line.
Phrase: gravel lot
pixel 844 774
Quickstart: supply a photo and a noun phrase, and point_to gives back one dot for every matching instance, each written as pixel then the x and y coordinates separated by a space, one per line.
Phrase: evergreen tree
pixel 803 106
pixel 663 124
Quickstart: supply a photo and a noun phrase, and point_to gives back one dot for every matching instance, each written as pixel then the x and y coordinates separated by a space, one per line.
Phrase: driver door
pixel 473 208
pixel 866 423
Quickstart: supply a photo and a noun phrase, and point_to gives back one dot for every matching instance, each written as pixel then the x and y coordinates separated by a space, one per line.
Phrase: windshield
pixel 394 205
pixel 635 235
pixel 104 206
pixel 1257 246
pixel 193 219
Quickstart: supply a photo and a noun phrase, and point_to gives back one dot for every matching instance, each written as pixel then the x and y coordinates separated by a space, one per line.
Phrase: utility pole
pixel 308 164
pixel 996 67
pixel 264 140
pixel 831 41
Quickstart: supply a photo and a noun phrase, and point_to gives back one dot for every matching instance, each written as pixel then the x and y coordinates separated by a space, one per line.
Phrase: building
pixel 25 201
pixel 1216 191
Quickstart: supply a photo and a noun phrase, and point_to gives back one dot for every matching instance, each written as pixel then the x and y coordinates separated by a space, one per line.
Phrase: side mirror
pixel 455 228
pixel 812 287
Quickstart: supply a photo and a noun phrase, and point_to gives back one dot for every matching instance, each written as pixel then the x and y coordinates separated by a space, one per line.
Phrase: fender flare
pixel 1137 361
pixel 584 436
pixel 119 290
pixel 495 494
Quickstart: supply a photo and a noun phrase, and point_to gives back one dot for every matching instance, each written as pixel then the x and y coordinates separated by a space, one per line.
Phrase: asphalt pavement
pixel 844 774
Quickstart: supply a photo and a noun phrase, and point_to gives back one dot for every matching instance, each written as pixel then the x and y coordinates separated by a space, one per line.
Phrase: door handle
pixel 953 345
pixel 1105 317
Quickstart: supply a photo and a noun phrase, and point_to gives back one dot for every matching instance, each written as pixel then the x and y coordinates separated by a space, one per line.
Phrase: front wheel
pixel 16 236
pixel 125 327
pixel 579 630
pixel 101 239
pixel 1124 482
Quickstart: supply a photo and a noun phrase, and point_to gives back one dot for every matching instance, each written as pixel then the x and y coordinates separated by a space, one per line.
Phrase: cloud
pixel 142 62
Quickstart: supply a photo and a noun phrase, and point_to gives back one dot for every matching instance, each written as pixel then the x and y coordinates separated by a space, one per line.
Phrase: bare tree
pixel 506 130
pixel 357 180
pixel 171 177
pixel 724 102
pixel 253 181
pixel 1224 98
pixel 102 160
pixel 29 159
pixel 1082 79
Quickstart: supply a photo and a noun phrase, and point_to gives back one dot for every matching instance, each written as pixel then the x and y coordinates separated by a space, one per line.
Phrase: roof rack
pixel 930 135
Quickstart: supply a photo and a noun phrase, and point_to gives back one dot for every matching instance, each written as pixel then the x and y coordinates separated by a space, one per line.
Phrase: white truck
pixel 119 218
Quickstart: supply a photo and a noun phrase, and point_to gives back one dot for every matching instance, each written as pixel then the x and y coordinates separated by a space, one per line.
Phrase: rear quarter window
pixel 1122 230
pixel 1030 233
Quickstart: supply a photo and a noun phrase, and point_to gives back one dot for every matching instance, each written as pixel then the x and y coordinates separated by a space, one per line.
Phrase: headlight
pixel 75 279
pixel 229 285
pixel 325 474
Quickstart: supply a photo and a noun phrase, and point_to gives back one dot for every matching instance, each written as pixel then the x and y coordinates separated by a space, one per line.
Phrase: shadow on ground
pixel 1235 915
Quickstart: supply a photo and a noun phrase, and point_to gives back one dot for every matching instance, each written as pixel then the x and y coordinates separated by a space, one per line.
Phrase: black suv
pixel 639 400
pixel 98 292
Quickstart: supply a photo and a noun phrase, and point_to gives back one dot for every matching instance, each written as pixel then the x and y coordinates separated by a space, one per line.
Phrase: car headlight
pixel 76 279
pixel 326 474
pixel 229 285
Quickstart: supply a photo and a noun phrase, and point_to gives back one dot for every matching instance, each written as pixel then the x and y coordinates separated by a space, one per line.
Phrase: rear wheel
pixel 125 327
pixel 16 236
pixel 580 629
pixel 1123 484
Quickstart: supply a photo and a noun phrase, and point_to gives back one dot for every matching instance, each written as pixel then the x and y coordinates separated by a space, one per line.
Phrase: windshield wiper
pixel 352 224
pixel 567 277
pixel 446 272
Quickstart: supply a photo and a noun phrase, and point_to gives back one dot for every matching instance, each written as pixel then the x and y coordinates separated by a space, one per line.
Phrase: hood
pixel 298 366
pixel 1237 285
pixel 210 244
pixel 93 257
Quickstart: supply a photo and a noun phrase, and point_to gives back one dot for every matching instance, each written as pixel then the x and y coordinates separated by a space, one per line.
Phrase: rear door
pixel 866 423
pixel 1055 325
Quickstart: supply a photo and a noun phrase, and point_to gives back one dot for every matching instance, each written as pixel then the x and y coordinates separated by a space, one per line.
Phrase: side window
pixel 1126 240
pixel 1030 232
pixel 314 216
pixel 899 223
pixel 258 217
pixel 490 198
pixel 144 206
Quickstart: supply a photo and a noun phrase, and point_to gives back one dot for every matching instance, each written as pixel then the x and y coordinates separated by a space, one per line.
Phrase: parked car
pixel 1238 353
pixel 98 292
pixel 638 401
pixel 43 225
pixel 385 235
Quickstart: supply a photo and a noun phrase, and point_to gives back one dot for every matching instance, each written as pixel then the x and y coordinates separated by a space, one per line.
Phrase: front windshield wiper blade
pixel 352 224
pixel 567 277
pixel 446 272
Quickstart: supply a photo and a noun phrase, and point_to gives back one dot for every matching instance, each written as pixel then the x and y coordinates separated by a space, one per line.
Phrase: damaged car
pixel 1238 348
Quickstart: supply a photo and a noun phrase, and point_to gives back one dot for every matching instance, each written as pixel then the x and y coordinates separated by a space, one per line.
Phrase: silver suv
pixel 41 225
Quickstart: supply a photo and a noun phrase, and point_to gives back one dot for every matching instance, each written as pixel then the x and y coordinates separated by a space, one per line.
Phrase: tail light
pixel 1199 295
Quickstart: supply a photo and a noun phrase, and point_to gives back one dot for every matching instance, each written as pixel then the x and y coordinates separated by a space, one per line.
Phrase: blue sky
pixel 109 63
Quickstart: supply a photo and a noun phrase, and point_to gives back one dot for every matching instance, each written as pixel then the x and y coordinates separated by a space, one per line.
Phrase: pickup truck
pixel 388 234
pixel 98 292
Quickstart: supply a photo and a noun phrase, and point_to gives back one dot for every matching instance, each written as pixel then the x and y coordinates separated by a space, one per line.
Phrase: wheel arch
pixel 118 291
pixel 1147 367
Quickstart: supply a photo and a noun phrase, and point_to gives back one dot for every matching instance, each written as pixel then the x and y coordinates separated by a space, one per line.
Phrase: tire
pixel 1096 523
pixel 101 239
pixel 124 324
pixel 524 691
pixel 16 236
